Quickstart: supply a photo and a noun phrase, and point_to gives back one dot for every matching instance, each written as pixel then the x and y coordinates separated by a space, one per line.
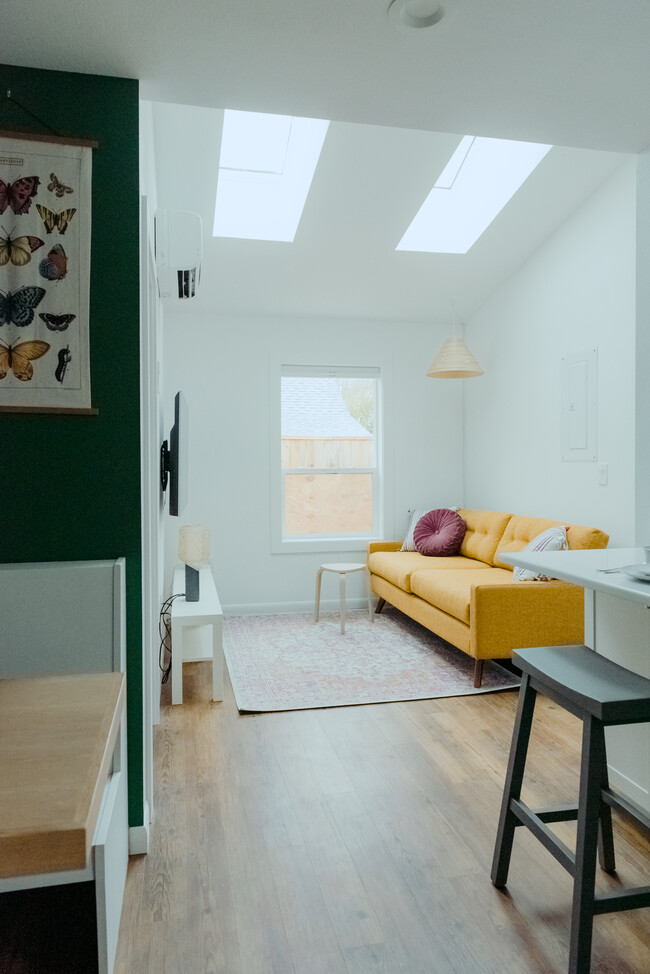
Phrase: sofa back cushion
pixel 521 530
pixel 483 533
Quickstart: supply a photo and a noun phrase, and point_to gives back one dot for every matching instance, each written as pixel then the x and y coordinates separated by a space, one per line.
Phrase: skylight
pixel 475 185
pixel 266 167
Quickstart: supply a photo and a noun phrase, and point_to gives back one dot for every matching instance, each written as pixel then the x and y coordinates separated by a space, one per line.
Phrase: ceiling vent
pixel 179 253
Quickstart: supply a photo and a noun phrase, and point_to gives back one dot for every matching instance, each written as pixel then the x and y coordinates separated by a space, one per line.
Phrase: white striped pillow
pixel 414 516
pixel 553 539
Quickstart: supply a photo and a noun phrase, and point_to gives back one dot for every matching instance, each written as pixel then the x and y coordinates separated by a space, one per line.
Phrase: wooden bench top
pixel 57 736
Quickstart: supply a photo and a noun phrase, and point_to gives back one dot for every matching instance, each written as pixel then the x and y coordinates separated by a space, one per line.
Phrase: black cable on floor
pixel 165 633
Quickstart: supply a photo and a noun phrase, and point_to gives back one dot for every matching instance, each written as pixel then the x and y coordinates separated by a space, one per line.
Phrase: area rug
pixel 290 662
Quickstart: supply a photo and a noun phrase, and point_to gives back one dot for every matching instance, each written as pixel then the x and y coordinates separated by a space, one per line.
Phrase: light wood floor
pixel 358 840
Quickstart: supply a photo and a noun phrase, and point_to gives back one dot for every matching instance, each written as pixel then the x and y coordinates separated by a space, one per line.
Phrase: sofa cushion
pixel 398 566
pixel 580 537
pixel 439 532
pixel 450 591
pixel 483 533
pixel 521 530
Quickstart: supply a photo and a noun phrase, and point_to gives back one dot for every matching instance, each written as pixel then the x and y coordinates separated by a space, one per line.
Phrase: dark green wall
pixel 71 484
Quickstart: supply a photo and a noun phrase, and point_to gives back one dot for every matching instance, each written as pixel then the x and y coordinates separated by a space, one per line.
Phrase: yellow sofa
pixel 471 599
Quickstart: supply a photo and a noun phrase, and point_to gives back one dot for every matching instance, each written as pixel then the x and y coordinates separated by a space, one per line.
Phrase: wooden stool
pixel 601 694
pixel 341 570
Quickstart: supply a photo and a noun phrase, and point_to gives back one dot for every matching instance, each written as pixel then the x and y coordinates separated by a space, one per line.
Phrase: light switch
pixel 602 475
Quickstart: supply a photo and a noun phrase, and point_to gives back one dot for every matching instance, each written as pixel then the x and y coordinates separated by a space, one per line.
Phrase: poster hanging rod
pixel 39 137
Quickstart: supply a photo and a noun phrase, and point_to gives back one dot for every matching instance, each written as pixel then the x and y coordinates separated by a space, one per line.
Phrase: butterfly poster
pixel 45 225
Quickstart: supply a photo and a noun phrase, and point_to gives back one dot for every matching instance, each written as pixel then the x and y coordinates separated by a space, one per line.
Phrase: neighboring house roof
pixel 315 407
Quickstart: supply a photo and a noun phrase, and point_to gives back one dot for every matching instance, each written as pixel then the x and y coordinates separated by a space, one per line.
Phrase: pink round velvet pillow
pixel 439 532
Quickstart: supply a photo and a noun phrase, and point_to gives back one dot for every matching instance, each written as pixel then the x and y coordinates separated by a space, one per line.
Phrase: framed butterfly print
pixel 45 224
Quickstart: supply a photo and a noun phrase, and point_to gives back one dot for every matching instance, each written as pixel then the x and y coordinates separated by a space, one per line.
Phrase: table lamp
pixel 194 550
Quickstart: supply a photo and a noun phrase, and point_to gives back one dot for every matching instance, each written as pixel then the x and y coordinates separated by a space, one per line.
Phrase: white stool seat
pixel 342 569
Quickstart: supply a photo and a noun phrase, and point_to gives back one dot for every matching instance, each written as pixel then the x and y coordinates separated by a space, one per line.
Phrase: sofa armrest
pixel 384 546
pixel 523 614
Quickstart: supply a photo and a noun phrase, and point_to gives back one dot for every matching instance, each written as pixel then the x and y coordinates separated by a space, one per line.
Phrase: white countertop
pixel 585 568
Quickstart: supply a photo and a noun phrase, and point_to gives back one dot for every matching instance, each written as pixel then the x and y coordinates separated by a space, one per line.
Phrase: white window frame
pixel 348 541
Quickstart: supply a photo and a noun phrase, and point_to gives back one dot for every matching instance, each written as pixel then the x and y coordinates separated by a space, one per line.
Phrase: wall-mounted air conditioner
pixel 179 252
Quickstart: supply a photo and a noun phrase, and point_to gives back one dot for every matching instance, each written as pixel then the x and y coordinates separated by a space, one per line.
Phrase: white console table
pixel 186 615
pixel 617 625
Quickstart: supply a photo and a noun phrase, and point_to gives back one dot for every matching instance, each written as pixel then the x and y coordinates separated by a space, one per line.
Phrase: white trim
pixel 149 495
pixel 330 371
pixel 291 608
pixel 11 884
pixel 317 544
pixel 322 544
pixel 139 834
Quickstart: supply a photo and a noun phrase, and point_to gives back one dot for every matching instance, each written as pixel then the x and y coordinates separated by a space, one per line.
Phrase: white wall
pixel 223 366
pixel 576 292
pixel 643 351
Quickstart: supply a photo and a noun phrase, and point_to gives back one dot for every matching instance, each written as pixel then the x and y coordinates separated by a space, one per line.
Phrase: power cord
pixel 165 633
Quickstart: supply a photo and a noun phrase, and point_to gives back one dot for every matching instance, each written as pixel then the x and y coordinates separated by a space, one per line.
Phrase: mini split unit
pixel 179 252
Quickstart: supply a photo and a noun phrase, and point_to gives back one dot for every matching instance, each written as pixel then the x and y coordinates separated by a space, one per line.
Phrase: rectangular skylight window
pixel 266 167
pixel 475 185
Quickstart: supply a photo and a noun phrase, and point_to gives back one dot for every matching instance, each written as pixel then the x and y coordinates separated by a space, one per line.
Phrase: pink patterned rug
pixel 290 662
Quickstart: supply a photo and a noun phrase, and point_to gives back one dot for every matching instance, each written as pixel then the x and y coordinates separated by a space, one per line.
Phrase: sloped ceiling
pixel 369 183
pixel 576 75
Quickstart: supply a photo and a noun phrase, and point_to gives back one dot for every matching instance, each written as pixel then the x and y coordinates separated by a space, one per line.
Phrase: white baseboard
pixel 283 608
pixel 139 835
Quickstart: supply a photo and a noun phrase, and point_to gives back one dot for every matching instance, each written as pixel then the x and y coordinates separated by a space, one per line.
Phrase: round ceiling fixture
pixel 415 13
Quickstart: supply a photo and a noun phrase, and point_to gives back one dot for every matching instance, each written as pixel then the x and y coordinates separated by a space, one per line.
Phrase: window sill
pixel 304 546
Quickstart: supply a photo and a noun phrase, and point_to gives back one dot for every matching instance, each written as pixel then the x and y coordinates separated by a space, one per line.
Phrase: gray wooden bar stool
pixel 601 694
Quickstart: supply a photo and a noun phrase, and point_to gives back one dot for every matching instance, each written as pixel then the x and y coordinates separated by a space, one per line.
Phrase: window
pixel 329 470
pixel 477 182
pixel 266 167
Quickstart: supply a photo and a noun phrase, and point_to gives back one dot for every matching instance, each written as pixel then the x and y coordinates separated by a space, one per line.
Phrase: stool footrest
pixel 633 898
pixel 624 805
pixel 558 813
pixel 526 816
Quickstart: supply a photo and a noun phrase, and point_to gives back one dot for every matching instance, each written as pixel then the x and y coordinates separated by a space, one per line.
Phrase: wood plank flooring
pixel 358 840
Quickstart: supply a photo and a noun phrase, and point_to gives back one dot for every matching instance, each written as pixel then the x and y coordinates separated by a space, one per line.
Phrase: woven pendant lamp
pixel 454 361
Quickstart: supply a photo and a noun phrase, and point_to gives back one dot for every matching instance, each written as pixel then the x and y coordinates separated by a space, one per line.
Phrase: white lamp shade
pixel 194 544
pixel 454 361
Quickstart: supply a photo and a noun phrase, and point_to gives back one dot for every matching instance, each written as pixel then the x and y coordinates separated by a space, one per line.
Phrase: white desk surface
pixel 582 568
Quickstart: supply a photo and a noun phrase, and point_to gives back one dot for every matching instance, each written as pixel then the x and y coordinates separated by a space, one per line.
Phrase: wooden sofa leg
pixel 478 672
pixel 380 605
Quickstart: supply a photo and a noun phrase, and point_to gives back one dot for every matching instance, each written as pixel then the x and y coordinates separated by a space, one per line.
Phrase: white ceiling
pixel 573 74
pixel 369 183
